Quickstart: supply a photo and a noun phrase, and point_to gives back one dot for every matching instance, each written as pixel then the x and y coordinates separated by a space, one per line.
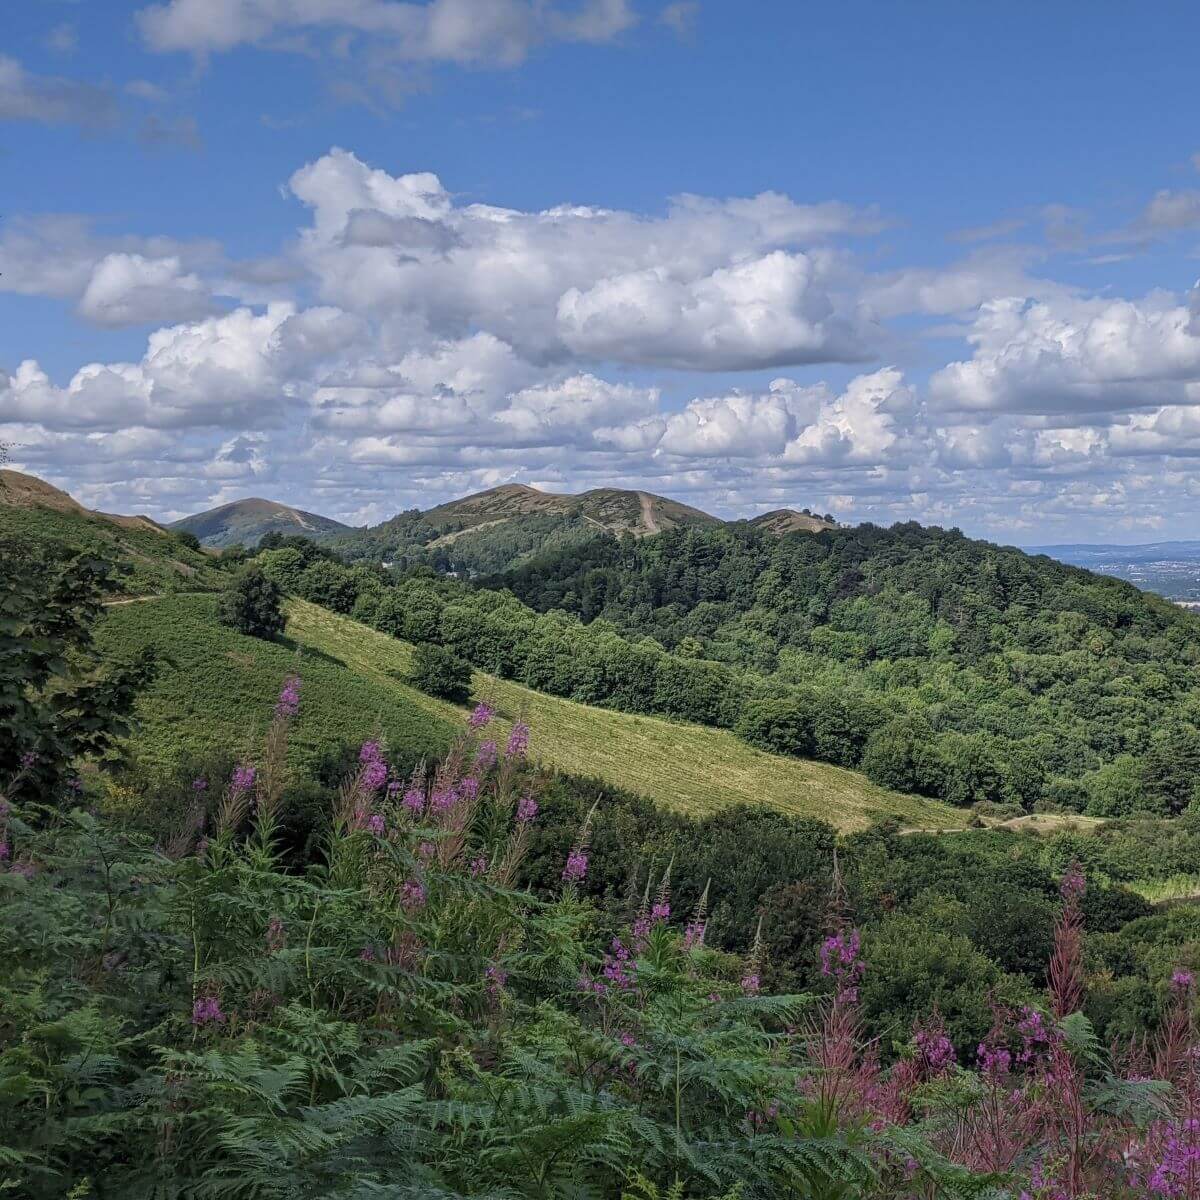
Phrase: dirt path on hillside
pixel 156 596
pixel 648 518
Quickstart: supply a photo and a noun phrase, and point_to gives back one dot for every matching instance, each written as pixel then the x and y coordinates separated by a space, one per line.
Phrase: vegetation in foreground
pixel 398 1018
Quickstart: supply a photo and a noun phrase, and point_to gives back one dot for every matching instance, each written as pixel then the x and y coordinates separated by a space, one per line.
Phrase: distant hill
pixel 244 522
pixel 505 526
pixel 788 520
pixel 35 512
pixel 612 509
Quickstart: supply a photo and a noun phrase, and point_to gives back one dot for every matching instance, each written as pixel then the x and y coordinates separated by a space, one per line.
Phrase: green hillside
pixel 31 511
pixel 218 687
pixel 223 685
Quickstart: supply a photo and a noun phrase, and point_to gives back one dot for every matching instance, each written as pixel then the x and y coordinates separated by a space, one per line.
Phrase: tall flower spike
pixel 662 900
pixel 751 981
pixel 693 935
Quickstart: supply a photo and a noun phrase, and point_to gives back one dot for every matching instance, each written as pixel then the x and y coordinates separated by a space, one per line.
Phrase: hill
pixel 966 670
pixel 502 527
pixel 222 684
pixel 245 522
pixel 788 520
pixel 34 512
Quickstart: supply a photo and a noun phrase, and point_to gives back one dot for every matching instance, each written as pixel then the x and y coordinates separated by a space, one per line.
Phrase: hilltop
pixel 35 512
pixel 245 522
pixel 787 520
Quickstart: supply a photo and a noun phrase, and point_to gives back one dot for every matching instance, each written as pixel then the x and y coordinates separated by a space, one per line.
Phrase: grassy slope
pixel 159 562
pixel 220 688
pixel 690 767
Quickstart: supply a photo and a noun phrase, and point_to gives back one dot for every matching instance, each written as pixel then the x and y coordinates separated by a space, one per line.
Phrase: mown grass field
pixel 221 690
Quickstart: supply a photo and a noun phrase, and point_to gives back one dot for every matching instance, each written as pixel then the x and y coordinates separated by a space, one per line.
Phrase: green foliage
pixel 252 604
pixel 57 707
pixel 440 672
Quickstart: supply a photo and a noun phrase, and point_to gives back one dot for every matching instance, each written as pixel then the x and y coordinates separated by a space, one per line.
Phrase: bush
pixel 440 672
pixel 251 604
pixel 185 537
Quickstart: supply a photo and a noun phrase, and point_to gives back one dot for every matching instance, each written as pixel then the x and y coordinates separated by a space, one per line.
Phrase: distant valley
pixel 1172 569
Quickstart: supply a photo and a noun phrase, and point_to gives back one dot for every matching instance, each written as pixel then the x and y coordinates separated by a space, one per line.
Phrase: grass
pixel 158 562
pixel 692 768
pixel 220 689
pixel 1174 890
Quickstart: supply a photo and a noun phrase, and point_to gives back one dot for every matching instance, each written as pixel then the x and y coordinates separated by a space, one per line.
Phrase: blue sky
pixel 934 262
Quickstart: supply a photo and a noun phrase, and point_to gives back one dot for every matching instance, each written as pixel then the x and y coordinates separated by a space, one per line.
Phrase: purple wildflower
pixel 468 788
pixel 28 759
pixel 5 851
pixel 412 896
pixel 576 868
pixel 485 756
pixel 496 977
pixel 751 983
pixel 25 869
pixel 660 912
pixel 367 954
pixel 518 740
pixel 199 784
pixel 376 824
pixel 426 850
pixel 370 752
pixel 1073 884
pixel 414 800
pixel 1182 980
pixel 441 800
pixel 243 778
pixel 288 704
pixel 840 962
pixel 207 1009
pixel 374 774
pixel 479 865
pixel 481 716
pixel 527 809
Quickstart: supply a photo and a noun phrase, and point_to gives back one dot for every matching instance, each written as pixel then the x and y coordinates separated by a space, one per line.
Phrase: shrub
pixel 440 672
pixel 251 604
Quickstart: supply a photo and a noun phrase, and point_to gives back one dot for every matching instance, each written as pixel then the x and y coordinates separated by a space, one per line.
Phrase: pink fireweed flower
pixel 935 1050
pixel 485 756
pixel 199 784
pixel 5 851
pixel 440 801
pixel 370 752
pixel 468 788
pixel 620 969
pixel 206 1011
pixel 479 865
pixel 412 896
pixel 1073 883
pixel 25 869
pixel 426 850
pixel 527 809
pixel 28 759
pixel 576 868
pixel 376 824
pixel 243 778
pixel 840 962
pixel 518 741
pixel 1182 980
pixel 660 912
pixel 496 977
pixel 751 984
pixel 367 954
pixel 374 775
pixel 288 704
pixel 693 935
pixel 414 801
pixel 481 715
